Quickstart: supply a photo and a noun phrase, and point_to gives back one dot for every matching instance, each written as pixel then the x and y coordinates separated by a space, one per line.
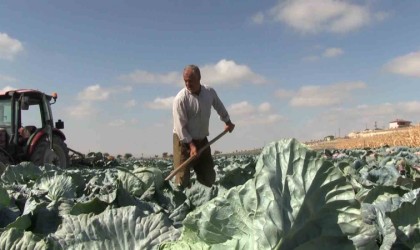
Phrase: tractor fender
pixel 39 135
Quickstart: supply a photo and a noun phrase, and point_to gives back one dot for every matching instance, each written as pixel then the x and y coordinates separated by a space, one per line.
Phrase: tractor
pixel 27 130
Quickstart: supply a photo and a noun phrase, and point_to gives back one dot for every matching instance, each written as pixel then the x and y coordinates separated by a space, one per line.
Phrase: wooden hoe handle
pixel 189 160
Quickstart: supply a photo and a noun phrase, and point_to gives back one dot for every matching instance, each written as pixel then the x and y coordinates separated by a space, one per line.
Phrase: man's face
pixel 192 83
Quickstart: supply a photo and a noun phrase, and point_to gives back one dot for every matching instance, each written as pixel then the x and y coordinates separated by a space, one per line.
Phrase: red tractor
pixel 27 131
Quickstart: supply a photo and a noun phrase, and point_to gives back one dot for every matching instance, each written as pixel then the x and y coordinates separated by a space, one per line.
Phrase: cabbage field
pixel 287 197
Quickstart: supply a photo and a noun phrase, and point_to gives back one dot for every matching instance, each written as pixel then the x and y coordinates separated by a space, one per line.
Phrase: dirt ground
pixel 409 137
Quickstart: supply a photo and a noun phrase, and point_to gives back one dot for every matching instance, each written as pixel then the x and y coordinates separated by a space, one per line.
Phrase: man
pixel 191 114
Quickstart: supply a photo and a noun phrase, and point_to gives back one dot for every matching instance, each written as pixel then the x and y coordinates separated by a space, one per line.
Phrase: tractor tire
pixel 59 156
pixel 5 160
pixel 2 168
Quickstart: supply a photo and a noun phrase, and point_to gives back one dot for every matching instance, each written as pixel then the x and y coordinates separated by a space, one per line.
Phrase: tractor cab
pixel 27 131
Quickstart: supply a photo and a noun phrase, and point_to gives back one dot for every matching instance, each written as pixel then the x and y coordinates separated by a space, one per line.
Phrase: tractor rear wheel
pixel 59 156
pixel 5 160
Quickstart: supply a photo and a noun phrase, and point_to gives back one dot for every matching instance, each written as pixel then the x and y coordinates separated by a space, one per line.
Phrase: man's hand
pixel 193 149
pixel 229 126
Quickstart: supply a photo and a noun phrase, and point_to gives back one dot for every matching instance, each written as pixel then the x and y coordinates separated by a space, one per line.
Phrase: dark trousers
pixel 203 166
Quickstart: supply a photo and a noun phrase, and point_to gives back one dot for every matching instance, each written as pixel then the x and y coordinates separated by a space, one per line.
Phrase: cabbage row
pixel 288 197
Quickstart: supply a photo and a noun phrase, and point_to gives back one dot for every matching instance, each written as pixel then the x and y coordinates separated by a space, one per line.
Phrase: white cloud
pixel 333 52
pixel 322 15
pixel 384 109
pixel 144 77
pixel 228 72
pixel 264 107
pixel 9 47
pixel 313 96
pixel 117 123
pixel 131 103
pixel 284 93
pixel 241 108
pixel 260 119
pixel 327 53
pixel 126 88
pixel 408 65
pixel 223 72
pixel 247 114
pixel 82 110
pixel 7 88
pixel 380 16
pixel 161 103
pixel 410 107
pixel 312 58
pixel 258 18
pixel 273 118
pixel 9 79
pixel 94 93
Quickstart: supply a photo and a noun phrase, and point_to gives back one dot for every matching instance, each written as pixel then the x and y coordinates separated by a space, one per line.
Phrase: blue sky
pixel 302 69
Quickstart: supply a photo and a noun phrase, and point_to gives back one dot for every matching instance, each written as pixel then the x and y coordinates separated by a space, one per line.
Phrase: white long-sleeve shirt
pixel 191 113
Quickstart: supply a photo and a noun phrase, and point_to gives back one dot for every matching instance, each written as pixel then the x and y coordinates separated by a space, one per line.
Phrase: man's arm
pixel 222 112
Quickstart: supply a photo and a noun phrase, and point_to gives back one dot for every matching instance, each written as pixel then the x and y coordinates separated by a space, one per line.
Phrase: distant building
pixel 353 135
pixel 329 138
pixel 399 123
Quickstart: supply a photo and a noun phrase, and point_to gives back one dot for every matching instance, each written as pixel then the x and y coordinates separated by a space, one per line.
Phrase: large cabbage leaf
pixel 130 182
pixel 101 184
pixel 17 239
pixel 57 185
pixel 4 198
pixel 397 219
pixel 297 200
pixel 150 176
pixel 26 173
pixel 9 212
pixel 407 222
pixel 120 228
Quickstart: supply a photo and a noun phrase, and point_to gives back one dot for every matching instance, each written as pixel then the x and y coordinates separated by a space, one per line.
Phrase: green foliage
pixel 287 197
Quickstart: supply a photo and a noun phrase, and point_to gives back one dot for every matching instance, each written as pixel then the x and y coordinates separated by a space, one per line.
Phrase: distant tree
pixel 164 154
pixel 217 152
pixel 128 155
pixel 106 155
pixel 119 156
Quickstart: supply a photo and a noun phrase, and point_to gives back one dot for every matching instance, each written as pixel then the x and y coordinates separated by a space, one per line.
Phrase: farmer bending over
pixel 191 114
